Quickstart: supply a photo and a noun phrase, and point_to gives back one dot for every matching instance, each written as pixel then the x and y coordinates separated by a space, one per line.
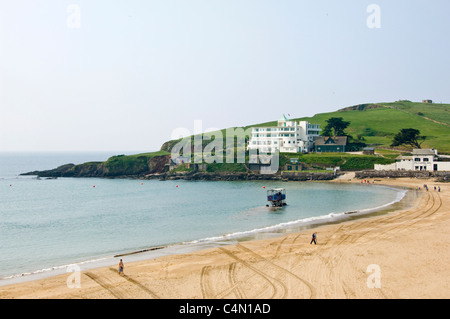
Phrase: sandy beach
pixel 402 254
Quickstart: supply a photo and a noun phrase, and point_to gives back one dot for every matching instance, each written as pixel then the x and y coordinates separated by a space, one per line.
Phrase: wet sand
pixel 401 254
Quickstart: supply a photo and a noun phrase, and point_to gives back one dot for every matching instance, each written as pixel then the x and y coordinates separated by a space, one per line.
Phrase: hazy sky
pixel 123 75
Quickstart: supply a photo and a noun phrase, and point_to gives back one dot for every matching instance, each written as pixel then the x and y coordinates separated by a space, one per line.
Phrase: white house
pixel 289 136
pixel 420 160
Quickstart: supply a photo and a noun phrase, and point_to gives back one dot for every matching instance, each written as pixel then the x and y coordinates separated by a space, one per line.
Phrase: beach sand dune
pixel 403 254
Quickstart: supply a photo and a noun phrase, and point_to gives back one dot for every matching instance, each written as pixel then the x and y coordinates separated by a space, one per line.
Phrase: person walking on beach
pixel 314 239
pixel 121 267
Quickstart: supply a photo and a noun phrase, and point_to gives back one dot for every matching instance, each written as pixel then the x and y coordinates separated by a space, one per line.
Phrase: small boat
pixel 277 197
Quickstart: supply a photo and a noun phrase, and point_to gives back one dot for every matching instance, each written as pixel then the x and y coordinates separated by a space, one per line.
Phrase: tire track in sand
pixel 214 279
pixel 105 285
pixel 405 219
pixel 286 275
pixel 338 258
pixel 278 287
pixel 137 284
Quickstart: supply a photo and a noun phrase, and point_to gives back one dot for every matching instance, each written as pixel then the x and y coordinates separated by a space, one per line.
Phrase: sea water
pixel 49 223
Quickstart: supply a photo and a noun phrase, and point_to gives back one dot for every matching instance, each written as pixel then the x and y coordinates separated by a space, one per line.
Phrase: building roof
pixel 404 158
pixel 424 152
pixel 330 140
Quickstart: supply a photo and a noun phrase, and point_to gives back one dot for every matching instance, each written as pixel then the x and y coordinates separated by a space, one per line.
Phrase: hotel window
pixel 425 159
pixel 417 159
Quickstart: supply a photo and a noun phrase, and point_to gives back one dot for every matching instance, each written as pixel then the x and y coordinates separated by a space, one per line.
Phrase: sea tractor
pixel 276 197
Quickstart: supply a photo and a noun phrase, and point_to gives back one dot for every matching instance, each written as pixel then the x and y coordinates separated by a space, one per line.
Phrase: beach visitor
pixel 121 267
pixel 314 239
pixel 439 188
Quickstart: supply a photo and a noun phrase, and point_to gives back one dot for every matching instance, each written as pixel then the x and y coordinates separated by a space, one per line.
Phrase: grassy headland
pixel 373 124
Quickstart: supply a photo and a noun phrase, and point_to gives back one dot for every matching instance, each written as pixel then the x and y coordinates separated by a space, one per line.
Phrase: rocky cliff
pixel 116 166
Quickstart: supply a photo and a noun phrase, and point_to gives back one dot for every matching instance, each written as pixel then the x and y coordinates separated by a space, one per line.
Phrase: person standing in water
pixel 314 239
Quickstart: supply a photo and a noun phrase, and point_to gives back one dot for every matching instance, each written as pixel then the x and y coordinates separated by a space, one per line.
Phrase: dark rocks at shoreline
pixel 241 176
pixel 97 170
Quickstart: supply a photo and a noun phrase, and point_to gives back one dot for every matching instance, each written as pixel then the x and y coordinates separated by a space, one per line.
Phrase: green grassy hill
pixel 377 123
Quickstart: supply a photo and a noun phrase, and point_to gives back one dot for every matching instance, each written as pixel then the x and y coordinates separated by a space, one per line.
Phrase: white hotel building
pixel 288 136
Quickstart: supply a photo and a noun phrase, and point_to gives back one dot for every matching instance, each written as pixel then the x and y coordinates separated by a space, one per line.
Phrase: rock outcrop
pixel 116 166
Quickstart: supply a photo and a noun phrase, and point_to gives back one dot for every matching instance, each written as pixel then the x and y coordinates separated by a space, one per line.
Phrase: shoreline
pixel 56 286
pixel 272 231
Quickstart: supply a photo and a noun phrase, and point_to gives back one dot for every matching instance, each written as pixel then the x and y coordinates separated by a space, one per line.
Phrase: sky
pixel 105 75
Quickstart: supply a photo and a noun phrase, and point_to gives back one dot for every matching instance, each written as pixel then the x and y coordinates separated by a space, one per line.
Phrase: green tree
pixel 408 136
pixel 335 127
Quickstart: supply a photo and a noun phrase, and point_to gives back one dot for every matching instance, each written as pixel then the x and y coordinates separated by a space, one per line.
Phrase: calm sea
pixel 49 223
